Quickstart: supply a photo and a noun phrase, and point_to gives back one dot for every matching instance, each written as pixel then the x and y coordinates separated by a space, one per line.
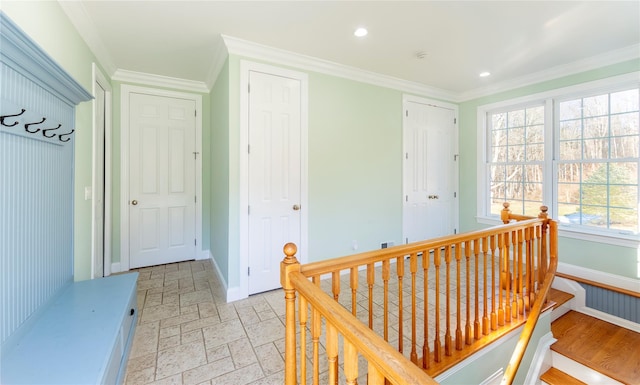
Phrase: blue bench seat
pixel 82 336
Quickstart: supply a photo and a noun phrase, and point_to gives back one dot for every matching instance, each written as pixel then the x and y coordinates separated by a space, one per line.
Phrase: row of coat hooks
pixel 36 127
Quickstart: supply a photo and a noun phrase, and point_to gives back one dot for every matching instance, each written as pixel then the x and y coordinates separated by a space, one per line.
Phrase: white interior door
pixel 274 175
pixel 429 172
pixel 162 189
pixel 98 182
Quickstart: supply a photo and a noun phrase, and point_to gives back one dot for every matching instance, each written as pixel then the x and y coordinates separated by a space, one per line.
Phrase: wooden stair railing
pixel 547 274
pixel 463 289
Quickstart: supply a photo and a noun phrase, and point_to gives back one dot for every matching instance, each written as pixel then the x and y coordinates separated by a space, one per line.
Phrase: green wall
pixel 49 27
pixel 218 170
pixel 617 260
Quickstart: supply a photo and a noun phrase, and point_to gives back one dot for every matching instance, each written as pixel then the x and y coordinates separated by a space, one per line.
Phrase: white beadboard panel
pixel 614 303
pixel 36 178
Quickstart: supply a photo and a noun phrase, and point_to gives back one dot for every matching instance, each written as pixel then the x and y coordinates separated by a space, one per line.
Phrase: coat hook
pixel 44 131
pixel 26 126
pixel 3 117
pixel 68 133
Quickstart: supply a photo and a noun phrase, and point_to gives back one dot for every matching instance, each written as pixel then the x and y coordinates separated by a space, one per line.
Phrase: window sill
pixel 632 241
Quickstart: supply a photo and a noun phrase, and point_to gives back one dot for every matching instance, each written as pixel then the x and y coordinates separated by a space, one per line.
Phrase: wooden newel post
pixel 544 263
pixel 504 214
pixel 289 265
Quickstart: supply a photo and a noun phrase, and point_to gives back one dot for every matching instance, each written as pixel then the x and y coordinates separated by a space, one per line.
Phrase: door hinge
pixel 248 149
pixel 195 155
pixel 406 113
pixel 455 231
pixel 249 87
pixel 455 157
pixel 248 210
pixel 455 194
pixel 406 155
pixel 406 240
pixel 455 120
pixel 195 242
pixel 195 199
pixel 248 270
pixel 195 112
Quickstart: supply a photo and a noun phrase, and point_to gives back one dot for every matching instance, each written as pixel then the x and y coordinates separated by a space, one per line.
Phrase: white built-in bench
pixel 82 336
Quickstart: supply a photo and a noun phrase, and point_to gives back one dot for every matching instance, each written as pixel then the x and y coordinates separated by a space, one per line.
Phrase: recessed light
pixel 361 32
pixel 484 74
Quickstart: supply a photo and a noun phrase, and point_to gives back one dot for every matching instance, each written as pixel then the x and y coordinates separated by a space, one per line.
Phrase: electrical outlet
pixel 354 244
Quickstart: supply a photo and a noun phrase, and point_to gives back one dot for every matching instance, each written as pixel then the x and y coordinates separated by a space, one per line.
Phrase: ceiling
pixel 440 44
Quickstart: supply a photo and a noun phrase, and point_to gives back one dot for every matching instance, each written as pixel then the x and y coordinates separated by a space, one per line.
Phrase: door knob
pixel 134 202
pixel 296 207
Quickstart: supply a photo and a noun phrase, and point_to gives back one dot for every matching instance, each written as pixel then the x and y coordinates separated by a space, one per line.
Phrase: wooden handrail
pixel 368 257
pixel 389 362
pixel 600 285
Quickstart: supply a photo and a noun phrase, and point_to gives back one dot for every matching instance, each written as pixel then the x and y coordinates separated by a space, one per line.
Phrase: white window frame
pixel 548 98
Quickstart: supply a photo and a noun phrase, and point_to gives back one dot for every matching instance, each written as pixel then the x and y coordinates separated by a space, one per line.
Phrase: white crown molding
pixel 160 81
pixel 83 23
pixel 290 59
pixel 594 62
pixel 220 55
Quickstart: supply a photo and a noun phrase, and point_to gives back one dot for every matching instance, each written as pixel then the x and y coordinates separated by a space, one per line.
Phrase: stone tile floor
pixel 188 334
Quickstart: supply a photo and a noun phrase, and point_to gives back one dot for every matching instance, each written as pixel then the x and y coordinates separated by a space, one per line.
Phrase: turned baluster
pixel 350 363
pixel 529 268
pixel 519 303
pixel 476 320
pixel 335 285
pixel 507 278
pixel 400 273
pixel 386 274
pixel 425 346
pixel 494 316
pixel 302 311
pixel 354 289
pixel 413 268
pixel 517 251
pixel 501 276
pixel 316 324
pixel 467 326
pixel 437 346
pixel 332 353
pixel 458 249
pixel 447 334
pixel 370 282
pixel 485 292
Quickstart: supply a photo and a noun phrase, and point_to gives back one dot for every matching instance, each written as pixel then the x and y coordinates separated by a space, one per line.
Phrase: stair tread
pixel 602 346
pixel 559 297
pixel 555 376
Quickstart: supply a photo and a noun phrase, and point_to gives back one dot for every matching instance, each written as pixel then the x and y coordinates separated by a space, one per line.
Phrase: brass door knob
pixel 296 207
pixel 134 202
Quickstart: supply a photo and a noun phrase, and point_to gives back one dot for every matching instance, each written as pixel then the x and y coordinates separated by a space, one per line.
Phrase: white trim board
pixel 125 91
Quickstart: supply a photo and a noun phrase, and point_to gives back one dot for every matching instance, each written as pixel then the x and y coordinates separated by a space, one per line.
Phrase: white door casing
pixel 430 174
pixel 273 170
pixel 101 176
pixel 164 140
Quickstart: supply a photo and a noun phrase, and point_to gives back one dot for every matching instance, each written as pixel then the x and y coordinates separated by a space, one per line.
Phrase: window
pixel 597 162
pixel 576 150
pixel 516 159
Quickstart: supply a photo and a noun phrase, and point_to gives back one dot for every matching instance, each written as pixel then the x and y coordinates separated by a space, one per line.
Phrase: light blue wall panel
pixel 36 177
pixel 610 302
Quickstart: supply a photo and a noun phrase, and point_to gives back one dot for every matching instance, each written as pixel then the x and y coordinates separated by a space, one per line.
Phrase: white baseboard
pixel 232 293
pixel 115 267
pixel 623 323
pixel 204 254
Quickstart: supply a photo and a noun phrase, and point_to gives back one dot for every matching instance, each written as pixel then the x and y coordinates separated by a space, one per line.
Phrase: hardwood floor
pixel 600 345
